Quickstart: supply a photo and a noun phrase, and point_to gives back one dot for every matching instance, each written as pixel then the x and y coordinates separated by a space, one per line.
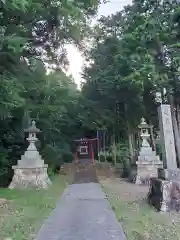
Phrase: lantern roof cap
pixel 143 123
pixel 32 128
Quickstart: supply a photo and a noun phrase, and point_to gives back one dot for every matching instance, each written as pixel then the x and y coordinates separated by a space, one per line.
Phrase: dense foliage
pixel 33 35
pixel 134 53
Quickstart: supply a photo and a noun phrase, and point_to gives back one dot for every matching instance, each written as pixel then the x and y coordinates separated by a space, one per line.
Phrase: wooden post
pixel 98 146
pixel 76 157
pixel 92 154
pixel 104 143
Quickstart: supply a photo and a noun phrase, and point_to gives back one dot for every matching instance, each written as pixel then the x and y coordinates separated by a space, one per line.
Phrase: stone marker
pixel 164 192
pixel 30 171
pixel 148 162
pixel 170 171
pixel 167 136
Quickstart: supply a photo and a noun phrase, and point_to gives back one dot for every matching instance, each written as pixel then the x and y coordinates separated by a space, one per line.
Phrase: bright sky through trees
pixel 75 58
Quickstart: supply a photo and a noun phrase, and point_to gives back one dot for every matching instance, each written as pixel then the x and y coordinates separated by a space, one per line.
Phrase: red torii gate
pixel 84 147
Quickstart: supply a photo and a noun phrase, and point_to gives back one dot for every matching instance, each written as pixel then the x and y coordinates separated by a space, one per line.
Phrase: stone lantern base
pixel 146 171
pixel 30 177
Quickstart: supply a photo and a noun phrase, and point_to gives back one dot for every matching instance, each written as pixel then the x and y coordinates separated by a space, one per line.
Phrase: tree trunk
pixel 131 149
pixel 130 136
pixel 152 138
pixel 114 146
pixel 178 116
pixel 175 129
pixel 104 145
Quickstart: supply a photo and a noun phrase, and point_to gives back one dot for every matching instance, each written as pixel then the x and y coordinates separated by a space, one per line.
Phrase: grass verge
pixel 22 215
pixel 140 221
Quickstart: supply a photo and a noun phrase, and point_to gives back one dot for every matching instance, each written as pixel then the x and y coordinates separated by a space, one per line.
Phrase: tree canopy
pixel 33 35
pixel 133 54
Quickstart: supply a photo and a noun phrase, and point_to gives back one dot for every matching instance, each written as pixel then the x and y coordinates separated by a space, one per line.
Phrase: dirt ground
pixel 127 192
pixel 139 220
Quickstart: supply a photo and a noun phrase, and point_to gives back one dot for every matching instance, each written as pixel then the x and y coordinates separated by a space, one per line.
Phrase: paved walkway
pixel 83 213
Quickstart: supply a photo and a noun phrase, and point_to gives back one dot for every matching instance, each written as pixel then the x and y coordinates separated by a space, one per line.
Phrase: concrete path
pixel 83 213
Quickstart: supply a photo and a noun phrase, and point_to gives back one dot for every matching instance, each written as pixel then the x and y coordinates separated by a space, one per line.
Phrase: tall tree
pixel 33 35
pixel 134 54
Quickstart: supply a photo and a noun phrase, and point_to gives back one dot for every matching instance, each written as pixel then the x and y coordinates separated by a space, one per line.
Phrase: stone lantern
pixel 30 171
pixel 143 126
pixel 148 162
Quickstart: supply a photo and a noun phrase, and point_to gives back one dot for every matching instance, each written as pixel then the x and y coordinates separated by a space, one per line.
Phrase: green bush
pixel 55 156
pixel 51 157
pixel 5 168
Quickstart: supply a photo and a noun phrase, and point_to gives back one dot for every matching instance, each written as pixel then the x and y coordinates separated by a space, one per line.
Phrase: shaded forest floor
pixel 23 212
pixel 139 220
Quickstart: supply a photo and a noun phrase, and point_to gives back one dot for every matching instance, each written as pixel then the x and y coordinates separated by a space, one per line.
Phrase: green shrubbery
pixel 118 155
